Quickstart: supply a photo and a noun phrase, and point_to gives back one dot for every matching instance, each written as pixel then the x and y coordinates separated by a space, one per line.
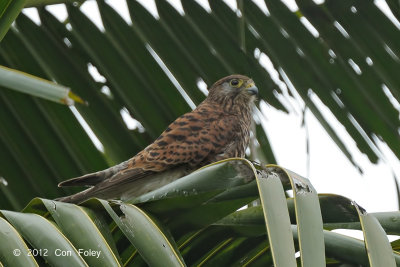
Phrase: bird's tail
pixel 92 179
pixel 75 198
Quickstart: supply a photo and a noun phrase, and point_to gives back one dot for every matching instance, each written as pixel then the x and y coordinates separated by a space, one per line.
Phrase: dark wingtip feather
pixel 85 180
pixel 92 179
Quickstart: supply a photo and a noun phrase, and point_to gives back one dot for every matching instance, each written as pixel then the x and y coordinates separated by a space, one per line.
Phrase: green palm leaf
pixel 158 230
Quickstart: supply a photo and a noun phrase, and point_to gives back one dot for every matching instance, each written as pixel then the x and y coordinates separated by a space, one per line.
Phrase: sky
pixel 325 165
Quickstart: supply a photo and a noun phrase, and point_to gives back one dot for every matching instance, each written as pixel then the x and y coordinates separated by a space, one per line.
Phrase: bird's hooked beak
pixel 251 88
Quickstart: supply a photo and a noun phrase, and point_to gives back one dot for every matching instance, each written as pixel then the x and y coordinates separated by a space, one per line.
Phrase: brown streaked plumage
pixel 217 129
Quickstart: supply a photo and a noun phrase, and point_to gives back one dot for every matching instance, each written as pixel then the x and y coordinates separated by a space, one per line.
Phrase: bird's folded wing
pixel 92 179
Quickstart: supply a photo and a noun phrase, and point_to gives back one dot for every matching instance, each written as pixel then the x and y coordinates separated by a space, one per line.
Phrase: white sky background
pixel 329 170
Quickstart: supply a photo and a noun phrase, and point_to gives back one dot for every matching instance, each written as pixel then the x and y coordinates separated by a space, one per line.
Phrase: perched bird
pixel 217 129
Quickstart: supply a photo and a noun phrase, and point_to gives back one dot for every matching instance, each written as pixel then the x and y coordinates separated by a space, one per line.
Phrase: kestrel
pixel 217 129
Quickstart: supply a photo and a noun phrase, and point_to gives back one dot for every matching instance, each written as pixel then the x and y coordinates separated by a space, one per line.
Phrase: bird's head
pixel 233 90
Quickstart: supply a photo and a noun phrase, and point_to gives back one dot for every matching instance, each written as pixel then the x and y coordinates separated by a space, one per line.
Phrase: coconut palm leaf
pixel 193 221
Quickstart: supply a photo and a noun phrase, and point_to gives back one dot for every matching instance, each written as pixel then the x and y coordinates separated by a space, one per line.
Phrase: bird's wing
pixel 124 178
pixel 92 179
pixel 194 138
pixel 95 178
pixel 127 184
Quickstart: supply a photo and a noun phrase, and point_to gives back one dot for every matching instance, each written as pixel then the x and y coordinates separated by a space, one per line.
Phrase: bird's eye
pixel 234 83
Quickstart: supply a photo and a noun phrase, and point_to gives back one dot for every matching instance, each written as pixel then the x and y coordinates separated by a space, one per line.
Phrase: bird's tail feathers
pixel 92 179
pixel 75 198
